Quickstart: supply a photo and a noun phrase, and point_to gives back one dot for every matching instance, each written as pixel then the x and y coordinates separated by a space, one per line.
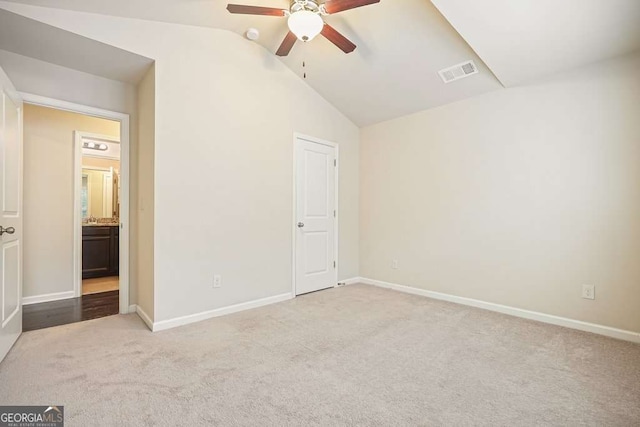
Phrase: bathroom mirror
pixel 100 191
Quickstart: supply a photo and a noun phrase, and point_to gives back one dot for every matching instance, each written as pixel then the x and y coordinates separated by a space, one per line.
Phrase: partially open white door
pixel 315 216
pixel 10 215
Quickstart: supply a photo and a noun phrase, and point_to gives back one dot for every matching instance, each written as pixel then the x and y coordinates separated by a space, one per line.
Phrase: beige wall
pixel 48 195
pixel 517 197
pixel 226 112
pixel 145 213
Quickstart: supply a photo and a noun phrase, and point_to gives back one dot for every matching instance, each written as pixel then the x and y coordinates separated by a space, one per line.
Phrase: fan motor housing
pixel 310 5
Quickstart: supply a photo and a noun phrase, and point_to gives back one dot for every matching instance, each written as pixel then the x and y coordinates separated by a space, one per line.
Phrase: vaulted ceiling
pixel 524 40
pixel 403 43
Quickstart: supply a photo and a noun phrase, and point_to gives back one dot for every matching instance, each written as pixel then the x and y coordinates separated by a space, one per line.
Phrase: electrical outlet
pixel 217 281
pixel 394 264
pixel 588 292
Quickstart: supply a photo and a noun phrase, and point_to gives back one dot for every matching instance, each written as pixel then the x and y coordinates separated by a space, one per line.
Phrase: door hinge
pixel 334 264
pixel 335 163
pixel 334 213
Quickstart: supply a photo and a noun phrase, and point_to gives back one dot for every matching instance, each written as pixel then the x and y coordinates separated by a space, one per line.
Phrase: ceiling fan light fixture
pixel 305 24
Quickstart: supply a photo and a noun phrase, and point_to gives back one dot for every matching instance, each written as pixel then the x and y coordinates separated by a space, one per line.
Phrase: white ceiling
pixel 523 40
pixel 401 46
pixel 50 44
pixel 403 43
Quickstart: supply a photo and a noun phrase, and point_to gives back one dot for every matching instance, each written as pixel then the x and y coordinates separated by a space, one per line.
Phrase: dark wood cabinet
pixel 100 251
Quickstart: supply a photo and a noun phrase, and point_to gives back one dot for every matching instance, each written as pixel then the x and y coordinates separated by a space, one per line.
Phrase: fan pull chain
pixel 304 65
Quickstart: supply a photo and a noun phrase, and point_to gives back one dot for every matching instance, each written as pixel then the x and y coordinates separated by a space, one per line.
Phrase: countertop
pixel 110 224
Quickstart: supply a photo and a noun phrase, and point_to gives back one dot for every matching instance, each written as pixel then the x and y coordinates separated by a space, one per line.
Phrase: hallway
pixel 63 312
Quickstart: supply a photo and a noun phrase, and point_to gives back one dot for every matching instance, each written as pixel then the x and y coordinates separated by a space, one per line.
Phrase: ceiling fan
pixel 305 20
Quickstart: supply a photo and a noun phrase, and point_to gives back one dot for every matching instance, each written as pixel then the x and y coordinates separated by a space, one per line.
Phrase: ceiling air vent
pixel 458 72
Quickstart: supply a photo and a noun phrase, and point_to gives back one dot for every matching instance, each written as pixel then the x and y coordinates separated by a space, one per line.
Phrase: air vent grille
pixel 458 72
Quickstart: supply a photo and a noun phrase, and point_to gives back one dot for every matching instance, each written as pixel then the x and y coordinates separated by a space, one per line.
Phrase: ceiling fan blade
pixel 287 44
pixel 338 39
pixel 335 6
pixel 255 10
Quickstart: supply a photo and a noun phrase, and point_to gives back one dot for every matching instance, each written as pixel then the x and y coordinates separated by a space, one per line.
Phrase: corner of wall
pixel 144 241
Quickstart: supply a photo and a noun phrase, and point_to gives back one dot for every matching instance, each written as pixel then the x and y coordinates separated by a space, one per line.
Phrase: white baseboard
pixel 198 317
pixel 48 297
pixel 133 308
pixel 517 312
pixel 144 316
pixel 351 281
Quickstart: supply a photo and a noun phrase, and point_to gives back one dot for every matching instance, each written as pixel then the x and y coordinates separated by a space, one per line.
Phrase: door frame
pixel 124 176
pixel 78 139
pixel 299 136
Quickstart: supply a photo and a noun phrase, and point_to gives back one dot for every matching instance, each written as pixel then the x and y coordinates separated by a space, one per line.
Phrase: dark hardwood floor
pixel 56 313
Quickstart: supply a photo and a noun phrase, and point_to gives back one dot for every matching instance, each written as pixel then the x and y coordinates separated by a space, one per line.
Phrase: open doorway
pixel 76 171
pixel 97 197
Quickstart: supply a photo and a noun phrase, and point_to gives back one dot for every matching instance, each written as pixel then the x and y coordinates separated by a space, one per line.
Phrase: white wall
pixel 53 81
pixel 517 197
pixel 48 196
pixel 226 111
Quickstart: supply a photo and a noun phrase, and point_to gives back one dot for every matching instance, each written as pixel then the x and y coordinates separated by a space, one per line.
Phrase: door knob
pixel 300 224
pixel 9 230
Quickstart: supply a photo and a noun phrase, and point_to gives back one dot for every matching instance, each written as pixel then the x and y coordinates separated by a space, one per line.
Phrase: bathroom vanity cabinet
pixel 100 251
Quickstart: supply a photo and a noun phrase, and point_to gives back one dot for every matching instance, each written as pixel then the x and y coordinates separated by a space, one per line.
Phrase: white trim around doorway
pixel 125 185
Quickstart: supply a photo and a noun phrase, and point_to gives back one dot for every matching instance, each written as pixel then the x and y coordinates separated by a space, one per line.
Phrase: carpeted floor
pixel 356 355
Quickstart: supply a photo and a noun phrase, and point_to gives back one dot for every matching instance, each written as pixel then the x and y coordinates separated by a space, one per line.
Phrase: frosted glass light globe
pixel 305 24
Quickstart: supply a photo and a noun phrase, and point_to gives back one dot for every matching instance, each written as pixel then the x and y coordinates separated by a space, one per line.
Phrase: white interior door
pixel 10 215
pixel 315 216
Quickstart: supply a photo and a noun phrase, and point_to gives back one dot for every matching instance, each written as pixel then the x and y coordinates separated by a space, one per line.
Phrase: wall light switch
pixel 217 281
pixel 394 264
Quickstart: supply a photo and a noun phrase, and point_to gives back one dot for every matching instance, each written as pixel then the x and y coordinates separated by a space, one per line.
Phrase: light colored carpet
pixel 356 355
